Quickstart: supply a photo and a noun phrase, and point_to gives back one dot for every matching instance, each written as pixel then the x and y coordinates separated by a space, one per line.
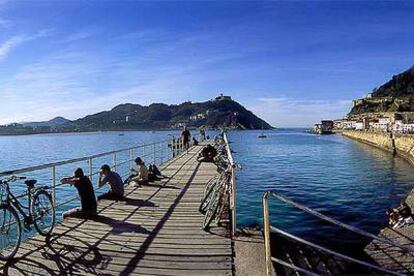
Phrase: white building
pixel 359 126
pixel 400 127
pixel 383 124
pixel 349 124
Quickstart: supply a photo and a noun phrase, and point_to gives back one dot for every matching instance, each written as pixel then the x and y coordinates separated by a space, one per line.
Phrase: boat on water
pixel 262 135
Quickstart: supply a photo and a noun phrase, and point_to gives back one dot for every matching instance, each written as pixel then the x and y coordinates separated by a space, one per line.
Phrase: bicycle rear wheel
pixel 221 210
pixel 43 213
pixel 10 232
pixel 212 210
pixel 210 184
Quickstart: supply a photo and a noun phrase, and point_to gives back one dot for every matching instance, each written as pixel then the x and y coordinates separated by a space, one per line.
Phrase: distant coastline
pixel 123 130
pixel 218 113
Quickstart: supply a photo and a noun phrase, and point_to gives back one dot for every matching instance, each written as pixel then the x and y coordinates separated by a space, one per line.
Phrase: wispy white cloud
pixel 10 44
pixel 80 35
pixel 75 84
pixel 290 112
pixel 7 46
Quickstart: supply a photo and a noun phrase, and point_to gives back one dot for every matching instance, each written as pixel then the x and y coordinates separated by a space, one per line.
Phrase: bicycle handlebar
pixel 12 179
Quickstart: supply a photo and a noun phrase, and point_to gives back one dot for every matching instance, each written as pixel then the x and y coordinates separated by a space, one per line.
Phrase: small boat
pixel 262 135
pixel 121 134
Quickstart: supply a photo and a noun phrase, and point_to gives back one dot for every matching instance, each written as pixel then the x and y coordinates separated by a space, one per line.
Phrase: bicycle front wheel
pixel 10 232
pixel 205 201
pixel 43 213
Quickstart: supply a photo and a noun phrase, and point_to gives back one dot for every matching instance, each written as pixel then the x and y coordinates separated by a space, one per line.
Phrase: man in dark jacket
pixel 185 136
pixel 86 194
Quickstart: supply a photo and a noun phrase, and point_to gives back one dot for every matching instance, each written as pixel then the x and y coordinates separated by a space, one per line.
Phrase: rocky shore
pixel 391 257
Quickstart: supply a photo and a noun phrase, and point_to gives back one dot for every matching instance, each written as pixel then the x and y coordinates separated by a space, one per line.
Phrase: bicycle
pixel 210 188
pixel 41 214
pixel 218 202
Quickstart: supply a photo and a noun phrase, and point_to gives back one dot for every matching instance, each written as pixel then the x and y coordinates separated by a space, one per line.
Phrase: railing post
pixel 54 186
pixel 266 229
pixel 173 147
pixel 131 157
pixel 161 151
pixel 233 199
pixel 143 152
pixel 115 164
pixel 90 170
pixel 153 153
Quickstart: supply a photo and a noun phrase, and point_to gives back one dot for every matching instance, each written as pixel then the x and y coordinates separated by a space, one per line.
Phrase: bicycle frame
pixel 13 200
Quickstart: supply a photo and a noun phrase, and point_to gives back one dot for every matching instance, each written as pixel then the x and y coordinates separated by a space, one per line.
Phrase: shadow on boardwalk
pixel 155 231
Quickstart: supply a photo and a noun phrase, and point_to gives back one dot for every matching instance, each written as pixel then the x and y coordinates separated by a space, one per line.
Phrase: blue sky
pixel 291 62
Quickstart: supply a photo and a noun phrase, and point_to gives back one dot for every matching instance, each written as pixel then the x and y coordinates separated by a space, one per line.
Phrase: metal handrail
pixel 154 154
pixel 326 250
pixel 268 228
pixel 232 184
pixel 75 160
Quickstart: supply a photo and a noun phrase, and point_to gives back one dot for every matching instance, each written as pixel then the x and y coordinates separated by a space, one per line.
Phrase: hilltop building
pixel 223 97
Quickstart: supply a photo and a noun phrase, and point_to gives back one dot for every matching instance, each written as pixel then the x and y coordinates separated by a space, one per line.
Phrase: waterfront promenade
pixel 155 231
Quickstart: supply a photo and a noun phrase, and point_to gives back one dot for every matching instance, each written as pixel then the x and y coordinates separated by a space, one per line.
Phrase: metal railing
pixel 268 228
pixel 156 153
pixel 232 184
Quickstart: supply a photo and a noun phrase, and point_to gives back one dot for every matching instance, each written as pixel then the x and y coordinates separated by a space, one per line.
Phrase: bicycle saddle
pixel 30 182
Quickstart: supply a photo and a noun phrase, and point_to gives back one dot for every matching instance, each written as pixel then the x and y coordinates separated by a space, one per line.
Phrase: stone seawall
pixel 401 144
pixel 383 254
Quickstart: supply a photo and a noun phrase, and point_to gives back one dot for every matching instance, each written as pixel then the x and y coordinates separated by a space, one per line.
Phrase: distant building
pixel 127 119
pixel 365 123
pixel 198 116
pixel 349 124
pixel 42 129
pixel 359 126
pixel 383 124
pixel 338 124
pixel 223 97
pixel 325 127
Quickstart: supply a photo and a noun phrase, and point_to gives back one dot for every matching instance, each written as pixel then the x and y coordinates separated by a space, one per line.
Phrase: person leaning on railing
pixel 86 194
pixel 114 180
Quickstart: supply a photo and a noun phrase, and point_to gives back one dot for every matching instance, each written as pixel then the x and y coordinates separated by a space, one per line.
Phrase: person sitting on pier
pixel 139 176
pixel 114 180
pixel 86 194
pixel 195 142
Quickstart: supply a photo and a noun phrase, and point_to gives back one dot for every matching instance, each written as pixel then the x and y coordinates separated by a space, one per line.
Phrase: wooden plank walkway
pixel 156 231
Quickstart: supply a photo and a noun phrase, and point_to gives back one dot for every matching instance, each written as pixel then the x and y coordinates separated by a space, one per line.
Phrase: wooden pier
pixel 155 231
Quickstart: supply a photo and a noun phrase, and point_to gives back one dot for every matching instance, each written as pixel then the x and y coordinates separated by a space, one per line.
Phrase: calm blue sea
pixel 352 182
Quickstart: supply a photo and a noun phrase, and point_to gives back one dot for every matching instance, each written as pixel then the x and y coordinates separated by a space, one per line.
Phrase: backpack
pixel 207 154
pixel 153 173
